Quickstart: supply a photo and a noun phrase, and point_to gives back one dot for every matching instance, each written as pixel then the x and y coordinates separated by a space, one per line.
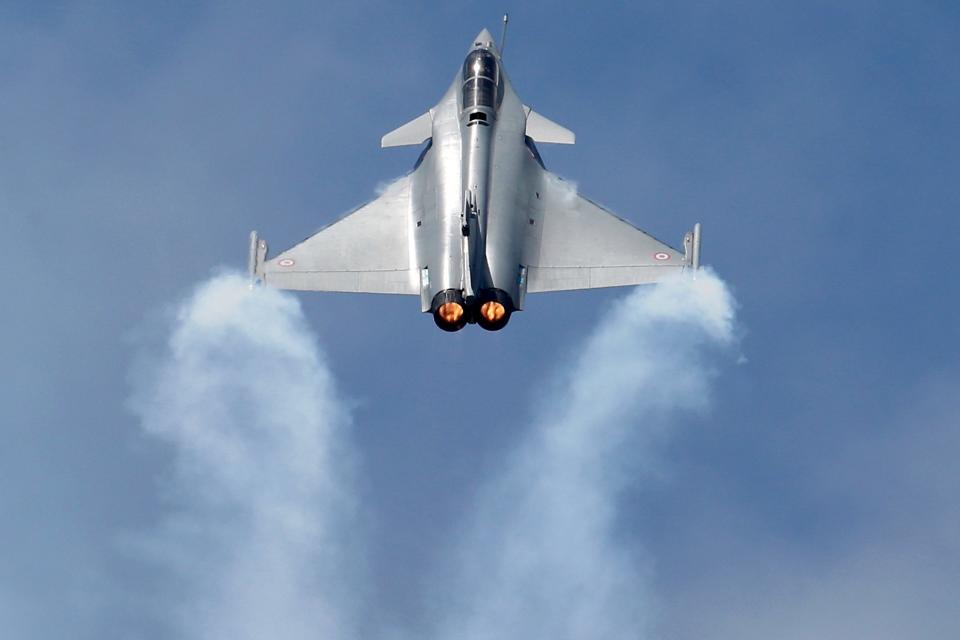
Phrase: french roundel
pixel 661 256
pixel 286 262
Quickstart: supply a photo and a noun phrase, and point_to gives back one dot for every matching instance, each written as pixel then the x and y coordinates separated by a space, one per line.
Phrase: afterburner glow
pixel 450 312
pixel 492 311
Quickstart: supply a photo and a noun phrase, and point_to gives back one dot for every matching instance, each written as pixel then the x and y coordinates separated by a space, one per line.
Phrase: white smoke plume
pixel 262 504
pixel 261 501
pixel 540 557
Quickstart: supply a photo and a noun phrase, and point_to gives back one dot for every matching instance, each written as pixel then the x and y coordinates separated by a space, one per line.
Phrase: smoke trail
pixel 261 493
pixel 540 559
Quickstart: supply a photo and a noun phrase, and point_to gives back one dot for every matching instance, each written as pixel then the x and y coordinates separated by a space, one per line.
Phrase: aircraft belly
pixel 438 200
pixel 508 225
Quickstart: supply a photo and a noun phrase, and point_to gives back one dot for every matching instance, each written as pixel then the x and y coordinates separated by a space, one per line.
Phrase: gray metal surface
pixel 584 246
pixel 417 131
pixel 478 214
pixel 367 250
pixel 543 129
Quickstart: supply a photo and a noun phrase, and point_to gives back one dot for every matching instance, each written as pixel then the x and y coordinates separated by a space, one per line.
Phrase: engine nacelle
pixel 449 310
pixel 492 309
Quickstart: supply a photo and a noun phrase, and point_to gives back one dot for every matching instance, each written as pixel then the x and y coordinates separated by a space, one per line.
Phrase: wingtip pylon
pixel 258 253
pixel 691 248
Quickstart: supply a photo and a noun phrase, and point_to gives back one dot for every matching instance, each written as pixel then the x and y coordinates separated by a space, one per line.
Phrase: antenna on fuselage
pixel 503 34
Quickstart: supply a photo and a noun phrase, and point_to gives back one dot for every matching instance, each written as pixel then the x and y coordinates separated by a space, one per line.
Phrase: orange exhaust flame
pixel 492 311
pixel 450 312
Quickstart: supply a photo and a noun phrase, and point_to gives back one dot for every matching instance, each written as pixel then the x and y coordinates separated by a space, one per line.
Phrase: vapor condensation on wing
pixel 261 498
pixel 540 557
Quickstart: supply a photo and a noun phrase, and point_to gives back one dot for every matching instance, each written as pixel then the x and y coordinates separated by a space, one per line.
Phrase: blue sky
pixel 817 143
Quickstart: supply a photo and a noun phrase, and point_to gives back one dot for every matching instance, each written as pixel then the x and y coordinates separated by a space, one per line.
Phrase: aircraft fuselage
pixel 479 222
pixel 474 195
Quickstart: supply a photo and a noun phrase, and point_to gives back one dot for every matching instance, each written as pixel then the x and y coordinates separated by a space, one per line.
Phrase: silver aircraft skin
pixel 479 222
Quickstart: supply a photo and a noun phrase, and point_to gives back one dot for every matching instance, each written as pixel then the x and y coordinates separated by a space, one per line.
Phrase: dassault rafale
pixel 479 222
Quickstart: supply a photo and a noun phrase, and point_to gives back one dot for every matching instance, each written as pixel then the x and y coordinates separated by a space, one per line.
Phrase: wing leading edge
pixel 366 251
pixel 584 246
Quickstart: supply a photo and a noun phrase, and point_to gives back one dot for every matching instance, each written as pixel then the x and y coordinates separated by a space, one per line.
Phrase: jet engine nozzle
pixel 493 309
pixel 449 310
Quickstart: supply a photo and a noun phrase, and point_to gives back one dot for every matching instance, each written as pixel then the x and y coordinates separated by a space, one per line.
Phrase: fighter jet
pixel 479 222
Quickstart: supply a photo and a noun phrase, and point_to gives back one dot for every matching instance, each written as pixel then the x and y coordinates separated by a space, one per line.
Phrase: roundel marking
pixel 661 256
pixel 286 262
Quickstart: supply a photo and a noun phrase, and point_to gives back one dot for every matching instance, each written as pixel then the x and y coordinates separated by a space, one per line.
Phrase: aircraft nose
pixel 483 39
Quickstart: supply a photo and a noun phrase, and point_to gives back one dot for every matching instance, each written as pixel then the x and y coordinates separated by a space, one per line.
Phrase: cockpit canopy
pixel 481 80
pixel 480 63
